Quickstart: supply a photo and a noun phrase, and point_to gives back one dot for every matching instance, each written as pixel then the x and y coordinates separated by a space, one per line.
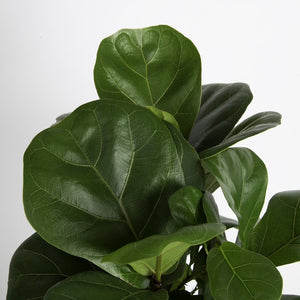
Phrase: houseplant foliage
pixel 120 191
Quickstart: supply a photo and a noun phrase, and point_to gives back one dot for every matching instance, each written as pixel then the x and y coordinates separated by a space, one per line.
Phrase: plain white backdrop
pixel 47 54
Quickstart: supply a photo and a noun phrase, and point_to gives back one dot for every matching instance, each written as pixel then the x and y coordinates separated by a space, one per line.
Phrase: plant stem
pixel 158 267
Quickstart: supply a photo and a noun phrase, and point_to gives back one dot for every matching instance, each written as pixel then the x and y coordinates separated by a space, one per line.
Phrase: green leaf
pixel 290 297
pixel 158 253
pixel 243 179
pixel 228 222
pixel 277 235
pixel 36 266
pixel 126 273
pixel 98 285
pixel 256 124
pixel 210 208
pixel 235 273
pixel 164 116
pixel 185 204
pixel 155 66
pixel 88 188
pixel 222 105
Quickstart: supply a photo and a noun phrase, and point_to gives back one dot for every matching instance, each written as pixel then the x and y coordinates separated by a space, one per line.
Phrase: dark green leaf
pixel 185 204
pixel 277 235
pixel 157 254
pixel 88 187
pixel 210 183
pixel 181 295
pixel 97 285
pixel 154 66
pixel 222 105
pixel 235 273
pixel 289 297
pixel 229 223
pixel 210 208
pixel 256 124
pixel 243 179
pixel 36 266
pixel 177 274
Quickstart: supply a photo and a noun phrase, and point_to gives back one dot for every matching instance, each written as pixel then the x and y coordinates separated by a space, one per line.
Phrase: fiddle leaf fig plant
pixel 120 191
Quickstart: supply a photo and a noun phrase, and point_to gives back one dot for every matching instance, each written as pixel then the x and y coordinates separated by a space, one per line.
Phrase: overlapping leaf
pixel 277 235
pixel 88 185
pixel 243 179
pixel 157 254
pixel 97 285
pixel 222 105
pixel 256 124
pixel 185 205
pixel 36 266
pixel 235 273
pixel 154 66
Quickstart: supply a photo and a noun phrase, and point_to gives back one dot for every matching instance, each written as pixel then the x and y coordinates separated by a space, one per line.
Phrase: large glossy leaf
pixel 256 124
pixel 222 105
pixel 243 179
pixel 290 297
pixel 97 285
pixel 235 273
pixel 102 178
pixel 185 205
pixel 36 266
pixel 157 254
pixel 154 66
pixel 277 235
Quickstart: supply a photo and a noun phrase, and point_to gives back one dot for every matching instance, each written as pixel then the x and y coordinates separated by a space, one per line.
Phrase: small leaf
pixel 243 178
pixel 256 124
pixel 184 205
pixel 277 235
pixel 155 66
pixel 235 273
pixel 222 105
pixel 228 222
pixel 98 285
pixel 126 273
pixel 36 266
pixel 158 253
pixel 210 208
pixel 164 116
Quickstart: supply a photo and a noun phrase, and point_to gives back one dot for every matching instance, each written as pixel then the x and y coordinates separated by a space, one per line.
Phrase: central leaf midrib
pixel 119 200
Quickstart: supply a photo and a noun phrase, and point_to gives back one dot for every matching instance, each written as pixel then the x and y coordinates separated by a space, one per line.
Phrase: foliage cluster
pixel 120 191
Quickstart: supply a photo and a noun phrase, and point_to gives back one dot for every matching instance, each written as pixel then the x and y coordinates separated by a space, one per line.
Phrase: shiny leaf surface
pixel 97 285
pixel 256 124
pixel 222 105
pixel 185 205
pixel 243 179
pixel 155 66
pixel 157 254
pixel 277 235
pixel 235 273
pixel 88 185
pixel 36 266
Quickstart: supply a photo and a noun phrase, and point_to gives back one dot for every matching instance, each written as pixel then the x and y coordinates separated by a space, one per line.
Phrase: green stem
pixel 158 267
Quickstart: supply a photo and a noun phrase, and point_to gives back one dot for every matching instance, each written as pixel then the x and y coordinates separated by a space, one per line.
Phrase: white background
pixel 48 50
